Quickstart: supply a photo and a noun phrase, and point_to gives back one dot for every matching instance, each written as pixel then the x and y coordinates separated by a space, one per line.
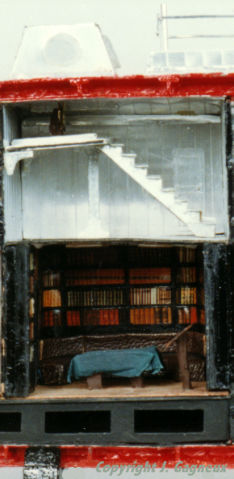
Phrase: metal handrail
pixel 162 26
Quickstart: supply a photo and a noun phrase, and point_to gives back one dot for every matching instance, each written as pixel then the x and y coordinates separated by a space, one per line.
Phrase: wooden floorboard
pixel 118 390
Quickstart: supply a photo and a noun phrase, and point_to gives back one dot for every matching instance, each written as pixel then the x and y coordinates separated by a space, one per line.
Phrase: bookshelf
pixel 120 288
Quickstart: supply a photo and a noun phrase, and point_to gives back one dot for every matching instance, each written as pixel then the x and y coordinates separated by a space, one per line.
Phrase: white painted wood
pixel 128 119
pixel 24 148
pixel 12 158
pixel 56 140
pixel 10 125
pixel 154 187
pixel 13 206
pixel 136 200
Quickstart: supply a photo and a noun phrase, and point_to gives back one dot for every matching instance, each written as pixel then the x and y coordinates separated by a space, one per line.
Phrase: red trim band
pixel 12 456
pixel 212 84
pixel 90 456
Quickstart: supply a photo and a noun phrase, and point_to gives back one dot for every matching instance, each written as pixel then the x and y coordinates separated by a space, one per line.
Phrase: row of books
pixel 51 298
pixel 96 297
pixel 149 256
pixel 136 255
pixel 186 274
pixel 52 318
pixel 51 279
pixel 186 295
pixel 94 277
pixel 151 316
pixel 103 317
pixel 117 276
pixel 110 317
pixel 149 275
pixel 93 256
pixel 186 255
pixel 110 256
pixel 145 296
pixel 187 315
pixel 73 318
pixel 116 297
pixel 113 255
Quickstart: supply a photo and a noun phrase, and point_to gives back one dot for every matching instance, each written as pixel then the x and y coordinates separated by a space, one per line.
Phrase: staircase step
pixel 129 155
pixel 183 205
pixel 117 151
pixel 142 172
pixel 116 145
pixel 141 165
pixel 208 220
pixel 130 162
pixel 193 216
pixel 154 177
pixel 203 230
pixel 157 181
pixel 169 188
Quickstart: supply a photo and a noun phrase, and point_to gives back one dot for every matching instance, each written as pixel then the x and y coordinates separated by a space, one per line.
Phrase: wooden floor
pixel 121 389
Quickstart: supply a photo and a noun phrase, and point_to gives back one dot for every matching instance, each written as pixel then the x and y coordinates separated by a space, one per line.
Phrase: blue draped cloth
pixel 126 363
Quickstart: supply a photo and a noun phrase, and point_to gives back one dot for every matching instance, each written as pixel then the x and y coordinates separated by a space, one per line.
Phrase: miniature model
pixel 117 247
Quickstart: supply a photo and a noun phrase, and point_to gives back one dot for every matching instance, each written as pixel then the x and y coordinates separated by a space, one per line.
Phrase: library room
pixel 117 299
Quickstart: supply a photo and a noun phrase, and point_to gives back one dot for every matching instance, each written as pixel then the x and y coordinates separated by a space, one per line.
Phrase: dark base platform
pixel 159 421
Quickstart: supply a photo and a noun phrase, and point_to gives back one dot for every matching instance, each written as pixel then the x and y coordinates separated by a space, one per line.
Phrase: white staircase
pixel 152 184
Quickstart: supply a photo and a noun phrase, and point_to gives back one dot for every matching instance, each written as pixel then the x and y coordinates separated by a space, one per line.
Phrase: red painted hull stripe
pixel 12 456
pixel 90 456
pixel 193 84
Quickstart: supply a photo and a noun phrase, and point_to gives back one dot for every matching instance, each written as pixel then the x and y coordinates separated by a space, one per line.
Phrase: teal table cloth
pixel 126 363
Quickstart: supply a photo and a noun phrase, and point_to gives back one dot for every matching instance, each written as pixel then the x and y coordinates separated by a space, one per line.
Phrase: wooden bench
pixel 95 381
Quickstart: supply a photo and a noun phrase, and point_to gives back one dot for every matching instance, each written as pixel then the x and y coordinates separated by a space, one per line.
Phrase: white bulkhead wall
pixel 151 174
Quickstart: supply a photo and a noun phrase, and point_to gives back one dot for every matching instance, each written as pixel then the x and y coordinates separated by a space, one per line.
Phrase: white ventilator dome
pixel 64 51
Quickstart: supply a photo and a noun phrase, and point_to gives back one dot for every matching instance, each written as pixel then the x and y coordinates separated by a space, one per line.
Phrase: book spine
pixel 149 275
pixel 193 315
pixel 101 317
pixel 31 331
pixel 69 318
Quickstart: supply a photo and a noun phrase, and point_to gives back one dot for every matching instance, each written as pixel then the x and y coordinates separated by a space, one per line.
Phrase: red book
pixel 193 315
pixel 69 318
